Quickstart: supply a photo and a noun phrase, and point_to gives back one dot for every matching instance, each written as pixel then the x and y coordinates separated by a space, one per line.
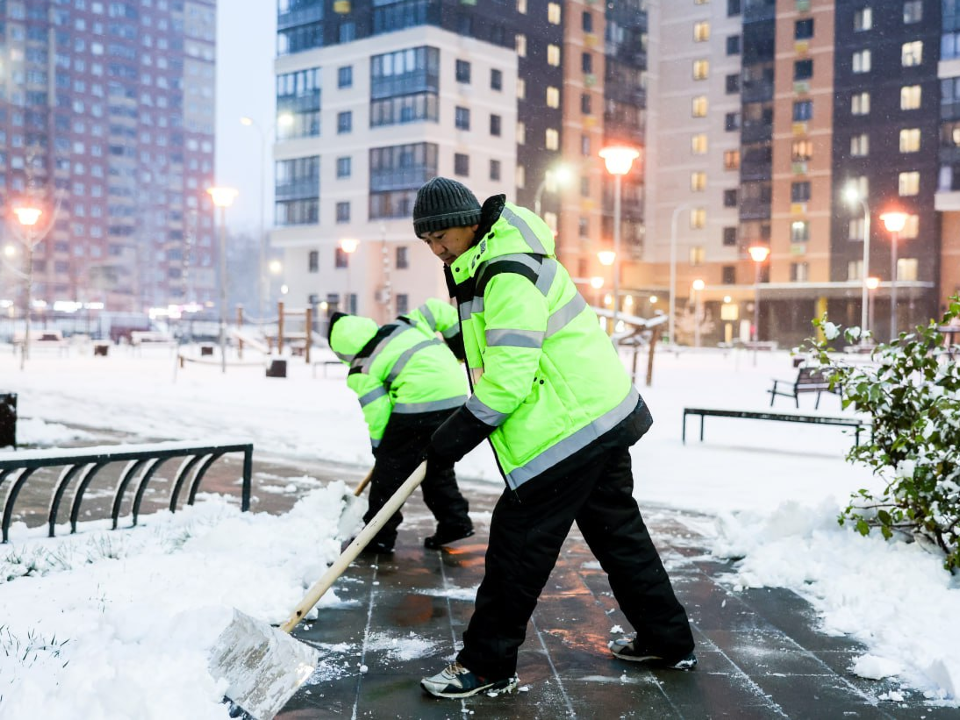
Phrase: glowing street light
pixel 758 253
pixel 223 198
pixel 894 221
pixel 619 160
pixel 27 217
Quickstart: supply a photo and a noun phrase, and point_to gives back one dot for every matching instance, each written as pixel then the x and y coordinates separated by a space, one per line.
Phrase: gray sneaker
pixel 455 681
pixel 626 649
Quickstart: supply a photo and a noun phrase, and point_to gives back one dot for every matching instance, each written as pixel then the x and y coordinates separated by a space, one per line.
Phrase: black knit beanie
pixel 443 203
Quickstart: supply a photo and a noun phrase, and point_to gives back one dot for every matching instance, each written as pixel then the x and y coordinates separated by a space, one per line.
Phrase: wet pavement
pixel 400 617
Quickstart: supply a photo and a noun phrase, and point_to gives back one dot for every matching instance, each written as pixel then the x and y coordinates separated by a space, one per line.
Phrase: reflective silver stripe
pixel 474 305
pixel 525 230
pixel 485 413
pixel 507 337
pixel 374 394
pixel 451 331
pixel 405 358
pixel 565 313
pixel 431 406
pixel 375 443
pixel 343 356
pixel 425 311
pixel 365 363
pixel 548 271
pixel 579 440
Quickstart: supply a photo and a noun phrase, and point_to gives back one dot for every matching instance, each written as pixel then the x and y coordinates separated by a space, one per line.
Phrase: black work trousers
pixel 527 531
pixel 401 450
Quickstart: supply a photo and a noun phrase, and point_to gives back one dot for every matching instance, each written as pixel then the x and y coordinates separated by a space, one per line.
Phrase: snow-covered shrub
pixel 913 393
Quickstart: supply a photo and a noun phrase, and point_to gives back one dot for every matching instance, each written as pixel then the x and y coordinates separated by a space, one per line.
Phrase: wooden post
pixel 239 328
pixel 308 327
pixel 280 327
pixel 654 336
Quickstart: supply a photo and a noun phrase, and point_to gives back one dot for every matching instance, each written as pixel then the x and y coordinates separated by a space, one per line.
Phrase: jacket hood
pixel 349 334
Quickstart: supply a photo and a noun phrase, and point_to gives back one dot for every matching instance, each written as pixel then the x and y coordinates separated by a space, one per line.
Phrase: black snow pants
pixel 402 448
pixel 527 531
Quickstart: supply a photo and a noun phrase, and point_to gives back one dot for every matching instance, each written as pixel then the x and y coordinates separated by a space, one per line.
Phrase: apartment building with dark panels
pixel 947 198
pixel 107 124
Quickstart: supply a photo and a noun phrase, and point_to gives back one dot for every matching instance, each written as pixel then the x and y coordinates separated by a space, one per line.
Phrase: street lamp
pixel 559 175
pixel 698 286
pixel 223 198
pixel 619 160
pixel 28 217
pixel 852 195
pixel 758 253
pixel 349 246
pixel 871 283
pixel 894 221
pixel 673 270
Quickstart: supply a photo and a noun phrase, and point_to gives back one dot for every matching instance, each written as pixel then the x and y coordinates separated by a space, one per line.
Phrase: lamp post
pixel 871 283
pixel 596 282
pixel 608 258
pixel 223 198
pixel 349 246
pixel 619 160
pixel 673 270
pixel 894 221
pixel 758 253
pixel 852 195
pixel 698 286
pixel 28 217
pixel 559 175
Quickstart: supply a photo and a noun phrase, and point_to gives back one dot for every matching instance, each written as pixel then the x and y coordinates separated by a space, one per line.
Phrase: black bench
pixel 145 459
pixel 808 380
pixel 8 420
pixel 856 423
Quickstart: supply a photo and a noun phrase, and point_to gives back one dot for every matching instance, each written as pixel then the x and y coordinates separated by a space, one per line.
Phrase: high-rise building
pixel 947 197
pixel 107 125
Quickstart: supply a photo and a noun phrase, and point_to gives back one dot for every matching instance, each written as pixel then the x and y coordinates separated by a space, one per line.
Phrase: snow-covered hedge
pixel 913 393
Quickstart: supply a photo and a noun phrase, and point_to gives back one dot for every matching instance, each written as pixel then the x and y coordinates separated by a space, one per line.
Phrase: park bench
pixel 854 422
pixel 145 459
pixel 809 379
pixel 8 420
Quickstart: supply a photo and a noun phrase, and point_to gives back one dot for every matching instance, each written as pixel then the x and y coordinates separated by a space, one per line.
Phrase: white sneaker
pixel 455 681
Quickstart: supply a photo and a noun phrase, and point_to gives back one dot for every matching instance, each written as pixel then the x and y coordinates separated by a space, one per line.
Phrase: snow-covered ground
pixel 119 624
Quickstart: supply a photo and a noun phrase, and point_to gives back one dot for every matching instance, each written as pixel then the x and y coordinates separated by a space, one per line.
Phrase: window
pixel 698 181
pixel 860 145
pixel 461 164
pixel 403 262
pixel 731 121
pixel 862 184
pixel 863 19
pixel 733 7
pixel 343 167
pixel 521 45
pixel 521 133
pixel 911 228
pixel 800 192
pixel 909 140
pixel 701 69
pixel 733 45
pixel 553 97
pixel 313 261
pixel 586 104
pixel 701 31
pixel 907 269
pixel 345 76
pixel 855 229
pixel 553 55
pixel 909 183
pixel 495 123
pixel 343 212
pixel 522 7
pixel 728 274
pixel 698 144
pixel 803 29
pixel 861 61
pixel 730 198
pixel 344 122
pixel 496 80
pixel 799 272
pixel 586 62
pixel 802 110
pixel 802 69
pixel 462 118
pixel 860 104
pixel 463 71
pixel 494 169
pixel 698 218
pixel 733 83
pixel 553 13
pixel 698 254
pixel 855 270
pixel 403 303
pixel 801 151
pixel 912 12
pixel 698 107
pixel 731 160
pixel 799 231
pixel 521 89
pixel 340 258
pixel 910 97
pixel 911 54
pixel 730 236
pixel 552 139
pixel 587 22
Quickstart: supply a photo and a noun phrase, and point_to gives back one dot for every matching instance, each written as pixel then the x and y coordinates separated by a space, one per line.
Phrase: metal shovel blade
pixel 263 665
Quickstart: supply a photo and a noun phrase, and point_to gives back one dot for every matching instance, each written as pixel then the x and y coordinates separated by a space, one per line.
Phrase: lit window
pixel 860 104
pixel 862 61
pixel 521 45
pixel 698 144
pixel 911 228
pixel 699 106
pixel 863 19
pixel 701 69
pixel 855 229
pixel 802 150
pixel 522 7
pixel 909 183
pixel 860 145
pixel 799 272
pixel 913 12
pixel 698 254
pixel 910 97
pixel 698 218
pixel 553 97
pixel 855 270
pixel 701 31
pixel 909 140
pixel 698 181
pixel 907 269
pixel 799 231
pixel 553 13
pixel 521 133
pixel 521 177
pixel 911 53
pixel 521 89
pixel 731 160
pixel 553 55
pixel 862 185
pixel 552 139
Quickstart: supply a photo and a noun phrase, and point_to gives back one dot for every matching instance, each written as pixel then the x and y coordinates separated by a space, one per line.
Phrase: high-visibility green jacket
pixel 544 373
pixel 401 367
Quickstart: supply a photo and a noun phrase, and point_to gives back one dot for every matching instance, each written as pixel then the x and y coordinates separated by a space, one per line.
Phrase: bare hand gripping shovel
pixel 264 665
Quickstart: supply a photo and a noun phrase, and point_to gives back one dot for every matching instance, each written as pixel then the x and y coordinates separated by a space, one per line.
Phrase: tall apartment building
pixel 947 198
pixel 497 94
pixel 106 123
pixel 831 95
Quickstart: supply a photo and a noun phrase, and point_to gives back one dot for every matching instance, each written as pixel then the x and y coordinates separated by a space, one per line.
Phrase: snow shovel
pixel 264 665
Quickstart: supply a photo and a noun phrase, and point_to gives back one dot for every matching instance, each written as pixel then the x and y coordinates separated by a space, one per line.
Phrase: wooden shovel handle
pixel 363 483
pixel 353 549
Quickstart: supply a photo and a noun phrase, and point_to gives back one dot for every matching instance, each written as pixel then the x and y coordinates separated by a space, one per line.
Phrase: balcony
pixel 300 16
pixel 755 132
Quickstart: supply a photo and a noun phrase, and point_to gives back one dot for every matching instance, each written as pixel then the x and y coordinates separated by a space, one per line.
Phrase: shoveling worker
pixel 561 413
pixel 408 383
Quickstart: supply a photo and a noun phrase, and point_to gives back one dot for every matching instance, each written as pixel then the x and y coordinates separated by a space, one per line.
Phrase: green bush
pixel 912 392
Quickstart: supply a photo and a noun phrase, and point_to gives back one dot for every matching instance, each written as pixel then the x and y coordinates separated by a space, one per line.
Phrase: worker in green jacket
pixel 553 398
pixel 408 383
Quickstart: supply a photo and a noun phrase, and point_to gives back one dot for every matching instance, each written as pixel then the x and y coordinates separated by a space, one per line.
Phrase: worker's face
pixel 451 243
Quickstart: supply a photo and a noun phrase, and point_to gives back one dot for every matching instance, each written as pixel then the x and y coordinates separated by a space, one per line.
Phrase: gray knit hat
pixel 443 203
